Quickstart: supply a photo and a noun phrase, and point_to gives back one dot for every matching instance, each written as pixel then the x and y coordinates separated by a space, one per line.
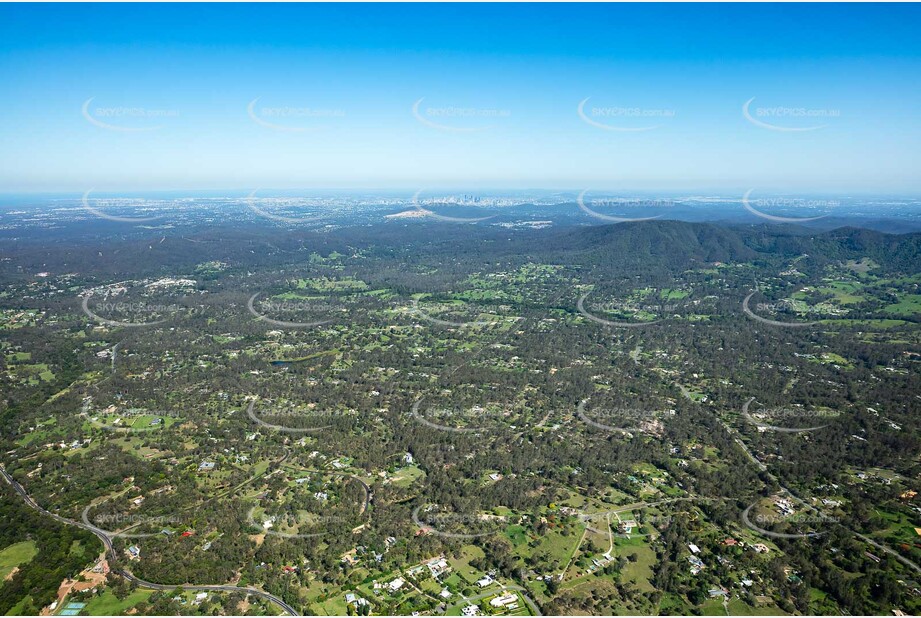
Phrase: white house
pixel 505 600
pixel 437 566
pixel 487 580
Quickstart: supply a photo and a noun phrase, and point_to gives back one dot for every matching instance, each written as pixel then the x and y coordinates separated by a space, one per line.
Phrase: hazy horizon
pixel 814 98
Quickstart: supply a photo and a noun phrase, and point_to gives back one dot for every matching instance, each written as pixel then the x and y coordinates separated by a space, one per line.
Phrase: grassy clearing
pixel 738 607
pixel 405 477
pixel 843 291
pixel 910 304
pixel 20 608
pixel 461 564
pixel 14 555
pixel 639 572
pixel 107 604
pixel 713 607
pixel 872 323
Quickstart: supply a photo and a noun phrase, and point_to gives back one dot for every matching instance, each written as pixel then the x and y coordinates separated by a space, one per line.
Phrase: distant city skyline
pixel 713 98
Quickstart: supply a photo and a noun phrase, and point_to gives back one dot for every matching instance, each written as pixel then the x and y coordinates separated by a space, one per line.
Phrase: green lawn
pixel 673 605
pixel 870 323
pixel 844 291
pixel 516 534
pixel 639 572
pixel 333 606
pixel 738 607
pixel 14 555
pixel 713 607
pixel 130 422
pixel 462 566
pixel 910 304
pixel 555 546
pixel 20 608
pixel 405 477
pixel 107 604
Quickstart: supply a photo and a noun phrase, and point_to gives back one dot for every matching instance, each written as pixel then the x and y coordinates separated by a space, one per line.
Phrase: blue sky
pixel 171 91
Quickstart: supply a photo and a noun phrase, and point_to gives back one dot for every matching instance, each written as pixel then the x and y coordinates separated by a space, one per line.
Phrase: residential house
pixel 506 600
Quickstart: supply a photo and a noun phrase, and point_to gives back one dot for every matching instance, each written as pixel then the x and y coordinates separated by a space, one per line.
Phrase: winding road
pixel 809 507
pixel 736 435
pixel 110 550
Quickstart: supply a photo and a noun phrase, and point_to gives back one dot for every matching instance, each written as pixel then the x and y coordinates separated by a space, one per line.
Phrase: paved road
pixel 806 505
pixel 236 488
pixel 272 468
pixel 368 494
pixel 763 468
pixel 889 551
pixel 110 550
